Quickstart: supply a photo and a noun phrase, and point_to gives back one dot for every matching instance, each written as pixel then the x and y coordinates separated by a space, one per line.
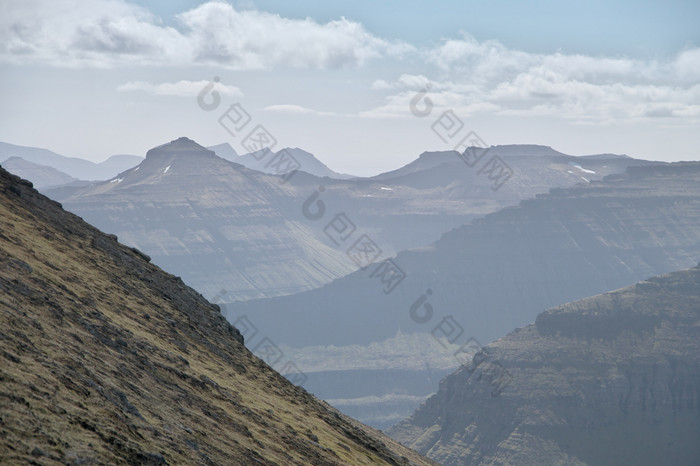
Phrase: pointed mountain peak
pixel 180 146
pixel 225 151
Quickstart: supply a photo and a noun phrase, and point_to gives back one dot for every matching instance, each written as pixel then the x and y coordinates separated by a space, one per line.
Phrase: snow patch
pixel 383 188
pixel 117 180
pixel 166 169
pixel 575 165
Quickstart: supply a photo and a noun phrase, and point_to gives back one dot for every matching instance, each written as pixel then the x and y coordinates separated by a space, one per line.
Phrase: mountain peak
pixel 180 146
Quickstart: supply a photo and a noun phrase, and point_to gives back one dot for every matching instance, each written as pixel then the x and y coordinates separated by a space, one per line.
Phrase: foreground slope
pixel 106 359
pixel 612 379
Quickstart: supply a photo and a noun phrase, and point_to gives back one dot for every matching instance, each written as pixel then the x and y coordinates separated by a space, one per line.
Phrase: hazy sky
pixel 92 78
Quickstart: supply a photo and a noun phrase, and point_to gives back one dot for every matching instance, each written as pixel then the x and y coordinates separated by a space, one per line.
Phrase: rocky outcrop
pixel 612 379
pixel 106 359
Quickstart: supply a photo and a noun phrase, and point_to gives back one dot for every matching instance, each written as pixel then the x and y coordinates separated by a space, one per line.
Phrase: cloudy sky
pixel 364 85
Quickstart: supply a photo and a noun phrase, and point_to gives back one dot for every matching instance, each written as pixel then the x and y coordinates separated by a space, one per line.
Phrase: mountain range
pixel 238 234
pixel 611 379
pixel 106 359
pixel 263 161
pixel 42 176
pixel 481 280
pixel 375 341
pixel 241 234
pixel 72 166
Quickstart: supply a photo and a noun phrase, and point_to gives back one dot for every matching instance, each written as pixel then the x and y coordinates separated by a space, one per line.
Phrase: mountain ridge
pixel 260 160
pixel 499 271
pixel 78 168
pixel 210 207
pixel 42 176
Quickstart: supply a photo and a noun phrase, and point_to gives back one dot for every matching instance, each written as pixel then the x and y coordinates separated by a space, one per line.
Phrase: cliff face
pixel 611 379
pixel 501 271
pixel 106 359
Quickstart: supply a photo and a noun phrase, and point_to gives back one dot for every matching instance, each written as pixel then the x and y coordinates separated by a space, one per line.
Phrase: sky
pixel 366 85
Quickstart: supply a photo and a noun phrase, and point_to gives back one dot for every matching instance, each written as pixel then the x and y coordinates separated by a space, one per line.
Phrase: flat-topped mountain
pixel 106 359
pixel 612 379
pixel 522 158
pixel 222 226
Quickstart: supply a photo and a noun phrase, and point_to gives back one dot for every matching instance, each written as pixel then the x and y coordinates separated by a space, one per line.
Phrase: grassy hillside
pixel 104 358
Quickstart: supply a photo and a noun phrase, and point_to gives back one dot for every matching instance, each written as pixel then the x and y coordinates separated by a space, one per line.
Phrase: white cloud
pixel 107 33
pixel 291 109
pixel 99 33
pixel 474 77
pixel 180 88
pixel 469 76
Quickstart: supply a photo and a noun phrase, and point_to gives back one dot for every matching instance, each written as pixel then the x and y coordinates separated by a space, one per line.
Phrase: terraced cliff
pixel 611 379
pixel 498 273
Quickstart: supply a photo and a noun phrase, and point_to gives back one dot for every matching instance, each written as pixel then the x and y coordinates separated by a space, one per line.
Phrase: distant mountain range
pixel 74 167
pixel 42 176
pixel 253 235
pixel 263 161
pixel 612 379
pixel 107 359
pixel 484 279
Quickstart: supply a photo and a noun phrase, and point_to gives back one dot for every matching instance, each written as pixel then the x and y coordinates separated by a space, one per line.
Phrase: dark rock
pixel 142 255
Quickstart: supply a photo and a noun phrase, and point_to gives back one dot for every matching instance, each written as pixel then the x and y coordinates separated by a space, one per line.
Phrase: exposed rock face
pixel 499 272
pixel 106 359
pixel 224 227
pixel 612 379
